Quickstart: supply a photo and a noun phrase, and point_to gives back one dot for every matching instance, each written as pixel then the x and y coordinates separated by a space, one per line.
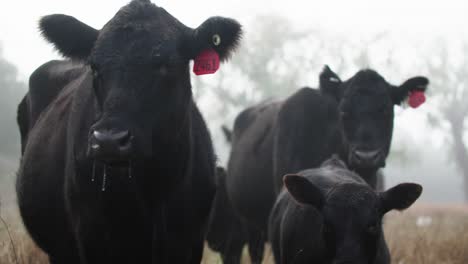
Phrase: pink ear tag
pixel 207 62
pixel 416 99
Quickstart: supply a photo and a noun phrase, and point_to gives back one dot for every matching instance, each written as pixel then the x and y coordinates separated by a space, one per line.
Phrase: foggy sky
pixel 416 18
pixel 418 21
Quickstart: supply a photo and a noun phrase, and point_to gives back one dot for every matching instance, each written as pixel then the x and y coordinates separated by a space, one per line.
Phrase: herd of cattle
pixel 118 164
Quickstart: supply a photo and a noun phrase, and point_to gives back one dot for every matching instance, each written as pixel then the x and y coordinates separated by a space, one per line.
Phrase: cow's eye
pixel 96 74
pixel 372 229
pixel 94 71
pixel 97 85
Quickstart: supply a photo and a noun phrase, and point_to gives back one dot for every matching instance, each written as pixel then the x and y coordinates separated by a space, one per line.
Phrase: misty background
pixel 285 46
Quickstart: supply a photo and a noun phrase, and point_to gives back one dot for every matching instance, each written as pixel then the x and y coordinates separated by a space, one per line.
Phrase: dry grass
pixel 425 235
pixel 428 237
pixel 19 249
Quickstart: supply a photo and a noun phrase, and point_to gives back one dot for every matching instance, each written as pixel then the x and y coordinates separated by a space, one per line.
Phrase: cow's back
pixel 40 181
pixel 249 183
pixel 45 83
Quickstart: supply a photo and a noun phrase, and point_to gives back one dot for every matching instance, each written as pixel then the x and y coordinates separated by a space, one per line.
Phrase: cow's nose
pixel 110 145
pixel 368 157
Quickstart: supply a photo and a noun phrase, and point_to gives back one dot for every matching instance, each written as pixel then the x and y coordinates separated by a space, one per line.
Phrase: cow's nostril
pixel 124 139
pixel 367 155
pixel 110 144
pixel 95 146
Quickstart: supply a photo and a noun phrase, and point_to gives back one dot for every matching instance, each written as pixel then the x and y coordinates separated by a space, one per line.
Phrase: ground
pixel 425 234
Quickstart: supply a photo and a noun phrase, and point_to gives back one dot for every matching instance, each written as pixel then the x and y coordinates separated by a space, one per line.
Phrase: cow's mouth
pixel 360 158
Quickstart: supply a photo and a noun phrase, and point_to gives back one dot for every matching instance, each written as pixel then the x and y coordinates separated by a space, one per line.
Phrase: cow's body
pixel 276 138
pixel 118 164
pixel 225 234
pixel 127 204
pixel 45 83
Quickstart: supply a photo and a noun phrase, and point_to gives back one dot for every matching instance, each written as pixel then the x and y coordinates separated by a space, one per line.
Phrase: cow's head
pixel 365 103
pixel 351 215
pixel 139 62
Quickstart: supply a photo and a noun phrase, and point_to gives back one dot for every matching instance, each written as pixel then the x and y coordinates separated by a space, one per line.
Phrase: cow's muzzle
pixel 367 158
pixel 110 146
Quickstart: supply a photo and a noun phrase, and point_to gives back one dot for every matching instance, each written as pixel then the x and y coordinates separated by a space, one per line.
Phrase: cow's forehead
pixel 352 196
pixel 139 15
pixel 367 83
pixel 139 32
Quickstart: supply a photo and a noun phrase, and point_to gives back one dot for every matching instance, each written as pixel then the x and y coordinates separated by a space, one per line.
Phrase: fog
pixel 284 48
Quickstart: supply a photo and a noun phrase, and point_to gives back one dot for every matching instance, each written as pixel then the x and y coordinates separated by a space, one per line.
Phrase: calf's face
pixel 352 214
pixel 140 76
pixel 366 113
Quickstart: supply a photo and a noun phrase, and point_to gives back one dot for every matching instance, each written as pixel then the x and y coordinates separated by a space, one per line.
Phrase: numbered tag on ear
pixel 207 62
pixel 416 99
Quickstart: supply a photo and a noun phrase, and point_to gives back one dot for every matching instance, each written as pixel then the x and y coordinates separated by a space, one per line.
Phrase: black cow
pixel 353 118
pixel 118 165
pixel 225 232
pixel 45 83
pixel 329 215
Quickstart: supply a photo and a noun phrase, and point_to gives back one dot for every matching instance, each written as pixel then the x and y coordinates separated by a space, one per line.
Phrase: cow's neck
pixel 368 174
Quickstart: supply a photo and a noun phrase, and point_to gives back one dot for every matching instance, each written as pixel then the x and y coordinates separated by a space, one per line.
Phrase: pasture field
pixel 426 234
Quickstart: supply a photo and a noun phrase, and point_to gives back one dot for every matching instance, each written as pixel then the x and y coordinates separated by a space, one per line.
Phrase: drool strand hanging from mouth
pixel 104 178
pixel 93 178
pixel 129 169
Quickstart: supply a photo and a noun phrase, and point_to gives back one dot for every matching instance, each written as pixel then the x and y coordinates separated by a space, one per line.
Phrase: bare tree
pixel 449 81
pixel 12 89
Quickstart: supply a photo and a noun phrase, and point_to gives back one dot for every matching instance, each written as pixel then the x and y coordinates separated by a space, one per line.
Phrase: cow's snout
pixel 110 145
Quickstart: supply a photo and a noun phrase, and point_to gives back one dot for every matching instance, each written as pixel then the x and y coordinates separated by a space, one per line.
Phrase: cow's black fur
pixel 225 232
pixel 276 138
pixel 133 73
pixel 330 215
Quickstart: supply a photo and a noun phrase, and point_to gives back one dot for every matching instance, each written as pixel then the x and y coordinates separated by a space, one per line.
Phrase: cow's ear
pixel 303 191
pixel 216 33
pixel 330 83
pixel 400 197
pixel 71 37
pixel 415 84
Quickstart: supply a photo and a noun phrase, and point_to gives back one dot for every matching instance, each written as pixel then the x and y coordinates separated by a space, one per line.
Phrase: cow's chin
pixel 117 164
pixel 104 172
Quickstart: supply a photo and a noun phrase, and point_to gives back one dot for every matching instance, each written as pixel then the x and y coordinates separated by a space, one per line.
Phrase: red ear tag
pixel 416 99
pixel 207 62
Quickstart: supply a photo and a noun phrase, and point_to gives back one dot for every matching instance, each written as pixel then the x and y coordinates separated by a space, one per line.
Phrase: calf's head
pixel 352 215
pixel 365 103
pixel 139 65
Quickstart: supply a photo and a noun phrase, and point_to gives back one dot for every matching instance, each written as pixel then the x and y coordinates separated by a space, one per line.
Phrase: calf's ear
pixel 71 37
pixel 400 197
pixel 303 191
pixel 216 33
pixel 402 92
pixel 330 83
